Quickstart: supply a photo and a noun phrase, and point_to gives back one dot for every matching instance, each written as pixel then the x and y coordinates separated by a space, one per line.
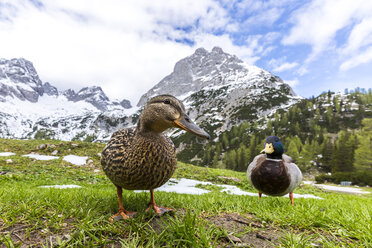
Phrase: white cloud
pixel 358 59
pixel 358 49
pixel 360 36
pixel 124 46
pixel 285 67
pixel 292 83
pixel 279 65
pixel 317 23
pixel 302 70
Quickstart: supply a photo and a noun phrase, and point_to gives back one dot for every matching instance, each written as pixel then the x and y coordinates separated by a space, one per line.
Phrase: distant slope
pixel 30 108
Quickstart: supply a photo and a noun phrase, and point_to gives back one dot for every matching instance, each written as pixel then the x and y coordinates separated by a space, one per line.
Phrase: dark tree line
pixel 332 132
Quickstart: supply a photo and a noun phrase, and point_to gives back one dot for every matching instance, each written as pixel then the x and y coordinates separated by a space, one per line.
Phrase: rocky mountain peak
pixel 50 90
pixel 201 69
pixel 18 78
pixel 126 104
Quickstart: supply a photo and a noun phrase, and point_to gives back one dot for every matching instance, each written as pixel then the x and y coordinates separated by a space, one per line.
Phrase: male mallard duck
pixel 273 173
pixel 143 158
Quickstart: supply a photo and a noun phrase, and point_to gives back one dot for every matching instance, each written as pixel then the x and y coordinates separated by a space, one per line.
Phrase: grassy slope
pixel 79 217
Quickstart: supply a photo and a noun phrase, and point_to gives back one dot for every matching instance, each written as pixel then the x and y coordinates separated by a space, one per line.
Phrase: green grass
pixel 79 217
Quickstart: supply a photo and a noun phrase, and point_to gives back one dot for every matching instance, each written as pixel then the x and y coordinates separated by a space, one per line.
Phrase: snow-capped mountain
pixel 30 108
pixel 18 78
pixel 220 90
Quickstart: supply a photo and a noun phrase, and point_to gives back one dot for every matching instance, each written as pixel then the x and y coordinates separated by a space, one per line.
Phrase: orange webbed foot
pixel 123 214
pixel 158 209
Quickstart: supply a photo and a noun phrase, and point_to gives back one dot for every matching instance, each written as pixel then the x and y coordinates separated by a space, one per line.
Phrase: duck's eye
pixel 166 101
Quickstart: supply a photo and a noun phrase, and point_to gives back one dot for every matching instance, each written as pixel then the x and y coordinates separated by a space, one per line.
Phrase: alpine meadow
pixel 54 192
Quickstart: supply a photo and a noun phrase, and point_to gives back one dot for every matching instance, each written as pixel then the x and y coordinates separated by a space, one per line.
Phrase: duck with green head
pixel 142 157
pixel 273 172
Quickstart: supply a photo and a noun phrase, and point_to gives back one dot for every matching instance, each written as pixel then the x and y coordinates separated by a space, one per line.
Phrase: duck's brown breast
pixel 271 177
pixel 142 163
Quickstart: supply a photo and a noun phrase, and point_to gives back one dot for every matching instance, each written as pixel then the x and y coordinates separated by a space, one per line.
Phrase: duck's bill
pixel 186 124
pixel 268 148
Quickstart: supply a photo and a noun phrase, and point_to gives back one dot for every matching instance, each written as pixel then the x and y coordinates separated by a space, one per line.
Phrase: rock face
pixel 195 72
pixel 220 90
pixel 94 95
pixel 50 90
pixel 126 104
pixel 18 78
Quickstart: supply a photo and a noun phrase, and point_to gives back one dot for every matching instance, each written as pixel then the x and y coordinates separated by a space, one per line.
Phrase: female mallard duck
pixel 273 173
pixel 142 158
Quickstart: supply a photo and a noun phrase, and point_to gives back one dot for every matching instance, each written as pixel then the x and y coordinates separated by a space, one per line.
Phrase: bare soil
pixel 25 236
pixel 244 231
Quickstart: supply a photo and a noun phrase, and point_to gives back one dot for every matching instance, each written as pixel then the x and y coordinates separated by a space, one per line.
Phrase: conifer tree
pixel 363 153
pixel 343 154
pixel 327 154
pixel 293 150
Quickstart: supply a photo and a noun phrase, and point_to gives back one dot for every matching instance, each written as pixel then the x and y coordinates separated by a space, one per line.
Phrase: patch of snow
pixel 304 196
pixel 309 182
pixel 230 189
pixel 183 186
pixel 76 160
pixel 187 186
pixel 6 154
pixel 66 186
pixel 341 189
pixel 40 157
pixel 237 191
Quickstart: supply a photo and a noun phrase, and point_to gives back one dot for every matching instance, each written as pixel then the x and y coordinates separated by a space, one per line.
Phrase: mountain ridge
pixel 217 88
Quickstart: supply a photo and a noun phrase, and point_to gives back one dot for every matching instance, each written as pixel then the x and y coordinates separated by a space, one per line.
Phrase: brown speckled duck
pixel 143 158
pixel 273 172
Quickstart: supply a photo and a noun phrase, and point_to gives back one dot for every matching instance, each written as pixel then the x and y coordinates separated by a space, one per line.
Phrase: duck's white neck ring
pixel 272 159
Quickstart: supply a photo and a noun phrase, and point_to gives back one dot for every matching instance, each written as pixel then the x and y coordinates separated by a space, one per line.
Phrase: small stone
pixel 233 239
pixel 99 154
pixel 74 144
pixel 52 146
pixel 6 150
pixel 55 152
pixel 9 161
pixel 40 147
pixel 230 178
pixel 96 170
pixel 90 161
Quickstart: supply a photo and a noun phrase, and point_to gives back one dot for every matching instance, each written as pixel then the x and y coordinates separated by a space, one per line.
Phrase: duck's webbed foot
pixel 123 214
pixel 158 209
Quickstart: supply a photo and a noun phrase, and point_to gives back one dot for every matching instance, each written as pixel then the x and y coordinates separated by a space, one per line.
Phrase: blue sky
pixel 129 46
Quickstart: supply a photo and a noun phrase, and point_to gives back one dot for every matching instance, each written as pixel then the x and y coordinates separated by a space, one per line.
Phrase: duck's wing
pixel 117 145
pixel 259 159
pixel 293 171
pixel 287 159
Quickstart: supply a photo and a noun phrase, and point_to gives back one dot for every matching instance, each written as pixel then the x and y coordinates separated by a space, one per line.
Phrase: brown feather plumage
pixel 134 161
